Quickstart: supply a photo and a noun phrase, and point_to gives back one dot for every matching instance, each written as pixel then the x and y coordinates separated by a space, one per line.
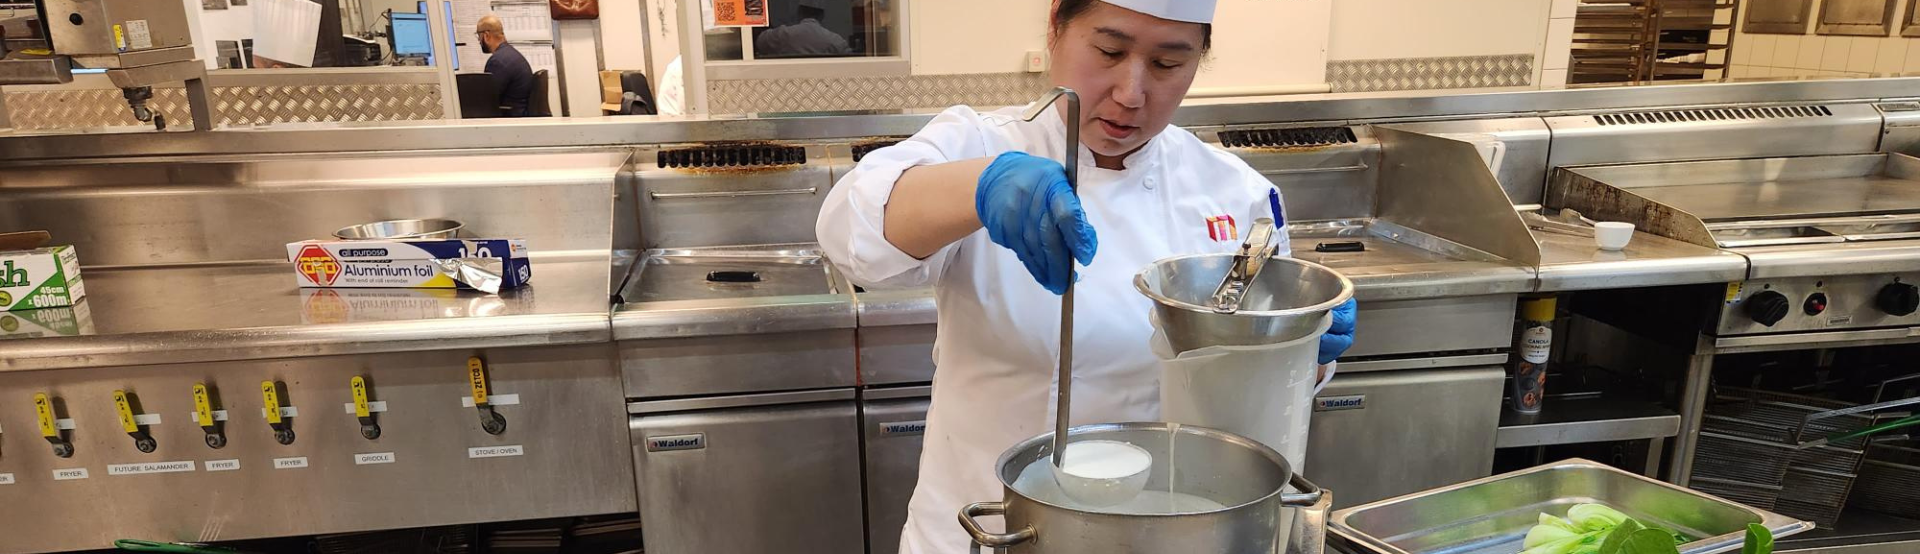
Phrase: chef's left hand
pixel 1339 336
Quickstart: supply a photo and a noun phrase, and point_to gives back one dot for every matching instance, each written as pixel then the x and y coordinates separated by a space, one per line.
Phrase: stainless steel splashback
pixel 1714 132
pixel 730 194
pixel 1322 172
pixel 1515 149
pixel 213 209
pixel 1440 186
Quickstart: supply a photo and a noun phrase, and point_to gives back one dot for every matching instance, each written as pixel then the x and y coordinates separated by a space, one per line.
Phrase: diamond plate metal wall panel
pixel 874 93
pixel 232 105
pixel 1454 72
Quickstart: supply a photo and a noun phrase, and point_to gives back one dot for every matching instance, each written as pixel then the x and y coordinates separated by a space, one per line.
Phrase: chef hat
pixel 1190 11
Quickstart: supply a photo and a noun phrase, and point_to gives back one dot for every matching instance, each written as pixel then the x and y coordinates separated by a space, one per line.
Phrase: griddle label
pixel 373 458
pixel 6 478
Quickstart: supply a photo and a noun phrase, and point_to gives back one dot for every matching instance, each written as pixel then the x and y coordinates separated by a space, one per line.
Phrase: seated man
pixel 508 67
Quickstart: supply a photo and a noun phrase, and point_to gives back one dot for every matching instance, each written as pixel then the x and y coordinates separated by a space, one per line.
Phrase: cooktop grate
pixel 1712 114
pixel 732 156
pixel 1294 137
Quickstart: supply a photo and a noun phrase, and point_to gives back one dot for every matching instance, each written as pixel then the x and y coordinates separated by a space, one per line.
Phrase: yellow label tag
pixel 1733 292
pixel 43 409
pixel 270 397
pixel 119 38
pixel 126 412
pixel 359 386
pixel 202 405
pixel 477 378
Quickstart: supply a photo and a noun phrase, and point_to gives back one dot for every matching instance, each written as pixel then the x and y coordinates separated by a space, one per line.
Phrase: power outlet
pixel 1036 61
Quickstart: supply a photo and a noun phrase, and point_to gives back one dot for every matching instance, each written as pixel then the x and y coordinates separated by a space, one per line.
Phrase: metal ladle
pixel 1062 398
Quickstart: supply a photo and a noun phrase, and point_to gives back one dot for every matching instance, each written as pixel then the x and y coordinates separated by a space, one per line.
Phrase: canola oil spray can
pixel 1533 342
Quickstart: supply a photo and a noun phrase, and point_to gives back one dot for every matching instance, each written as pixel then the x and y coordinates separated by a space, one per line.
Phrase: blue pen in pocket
pixel 1273 202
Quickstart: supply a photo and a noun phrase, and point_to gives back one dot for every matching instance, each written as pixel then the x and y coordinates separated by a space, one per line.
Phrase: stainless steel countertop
pixel 204 313
pixel 1569 262
pixel 1388 270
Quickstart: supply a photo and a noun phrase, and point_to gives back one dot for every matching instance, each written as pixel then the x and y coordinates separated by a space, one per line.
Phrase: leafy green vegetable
pixel 1618 536
pixel 1550 530
pixel 1596 529
pixel 1595 517
pixel 1759 540
pixel 1649 541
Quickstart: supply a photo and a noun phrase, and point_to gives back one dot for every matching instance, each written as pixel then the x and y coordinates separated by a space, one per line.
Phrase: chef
pixel 977 206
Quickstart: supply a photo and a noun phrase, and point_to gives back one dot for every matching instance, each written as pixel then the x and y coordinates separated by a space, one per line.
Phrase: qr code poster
pixel 739 13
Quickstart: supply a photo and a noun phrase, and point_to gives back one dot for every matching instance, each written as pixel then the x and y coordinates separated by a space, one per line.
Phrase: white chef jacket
pixel 998 329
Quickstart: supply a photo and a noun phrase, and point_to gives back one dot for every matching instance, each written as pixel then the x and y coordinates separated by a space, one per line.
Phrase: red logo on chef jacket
pixel 1221 228
pixel 319 266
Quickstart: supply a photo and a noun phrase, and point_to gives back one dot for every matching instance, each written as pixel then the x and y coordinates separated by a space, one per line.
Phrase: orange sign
pixel 319 266
pixel 740 13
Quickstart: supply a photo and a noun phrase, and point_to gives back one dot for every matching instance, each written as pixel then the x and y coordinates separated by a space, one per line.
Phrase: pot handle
pixel 982 537
pixel 1309 493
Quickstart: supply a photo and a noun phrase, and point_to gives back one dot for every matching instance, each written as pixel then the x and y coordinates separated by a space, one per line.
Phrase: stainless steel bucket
pixel 1245 476
pixel 1288 300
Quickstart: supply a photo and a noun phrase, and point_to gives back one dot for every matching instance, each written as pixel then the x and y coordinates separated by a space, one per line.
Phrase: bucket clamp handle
pixel 1248 260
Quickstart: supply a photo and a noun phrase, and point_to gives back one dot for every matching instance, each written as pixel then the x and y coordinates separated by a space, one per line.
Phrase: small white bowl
pixel 1612 235
pixel 1118 472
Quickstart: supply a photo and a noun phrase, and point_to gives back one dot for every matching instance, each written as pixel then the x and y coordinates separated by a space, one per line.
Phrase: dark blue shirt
pixel 515 76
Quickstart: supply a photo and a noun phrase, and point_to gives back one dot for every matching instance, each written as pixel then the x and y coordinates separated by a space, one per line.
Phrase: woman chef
pixel 913 214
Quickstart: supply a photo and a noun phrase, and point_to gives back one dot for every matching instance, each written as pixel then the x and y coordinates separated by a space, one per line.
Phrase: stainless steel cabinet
pixel 895 421
pixel 768 473
pixel 1380 435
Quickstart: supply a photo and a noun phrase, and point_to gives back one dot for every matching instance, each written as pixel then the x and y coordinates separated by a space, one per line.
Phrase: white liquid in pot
pixel 1037 482
pixel 1105 460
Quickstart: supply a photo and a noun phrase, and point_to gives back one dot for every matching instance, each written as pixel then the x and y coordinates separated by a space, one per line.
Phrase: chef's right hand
pixel 1026 205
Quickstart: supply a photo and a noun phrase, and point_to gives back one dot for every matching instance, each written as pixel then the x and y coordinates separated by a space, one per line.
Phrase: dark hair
pixel 1065 11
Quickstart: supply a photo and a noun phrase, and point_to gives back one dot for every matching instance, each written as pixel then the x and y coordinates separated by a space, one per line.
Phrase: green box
pixel 47 322
pixel 41 278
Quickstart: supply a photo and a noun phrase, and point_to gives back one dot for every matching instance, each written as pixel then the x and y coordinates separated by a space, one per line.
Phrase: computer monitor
pixel 453 42
pixel 410 35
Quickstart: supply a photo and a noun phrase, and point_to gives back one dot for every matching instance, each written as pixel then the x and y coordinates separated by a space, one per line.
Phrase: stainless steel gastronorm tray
pixel 1492 515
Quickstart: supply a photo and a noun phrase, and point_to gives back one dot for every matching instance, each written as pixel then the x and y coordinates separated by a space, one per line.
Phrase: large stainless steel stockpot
pixel 1243 475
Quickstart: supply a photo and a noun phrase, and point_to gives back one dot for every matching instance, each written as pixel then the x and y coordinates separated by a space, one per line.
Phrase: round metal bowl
pixel 401 229
pixel 1287 301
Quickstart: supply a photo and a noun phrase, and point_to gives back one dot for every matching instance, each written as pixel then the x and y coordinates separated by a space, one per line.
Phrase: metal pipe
pixel 1063 399
pixel 1693 405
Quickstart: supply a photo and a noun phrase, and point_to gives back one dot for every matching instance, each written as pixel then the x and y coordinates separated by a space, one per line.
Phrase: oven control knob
pixel 1898 299
pixel 1768 307
pixel 1816 303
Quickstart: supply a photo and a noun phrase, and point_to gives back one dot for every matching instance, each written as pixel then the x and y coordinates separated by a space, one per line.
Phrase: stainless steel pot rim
pixel 1047 438
pixel 1346 289
pixel 436 226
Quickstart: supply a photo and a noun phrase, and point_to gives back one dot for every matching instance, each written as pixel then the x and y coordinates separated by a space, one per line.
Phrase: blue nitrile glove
pixel 1339 336
pixel 1026 205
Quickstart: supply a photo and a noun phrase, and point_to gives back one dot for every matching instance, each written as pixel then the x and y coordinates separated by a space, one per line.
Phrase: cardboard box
pixel 47 322
pixel 40 278
pixel 403 263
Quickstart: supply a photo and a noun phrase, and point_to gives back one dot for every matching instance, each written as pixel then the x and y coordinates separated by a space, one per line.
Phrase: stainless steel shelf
pixel 1587 420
